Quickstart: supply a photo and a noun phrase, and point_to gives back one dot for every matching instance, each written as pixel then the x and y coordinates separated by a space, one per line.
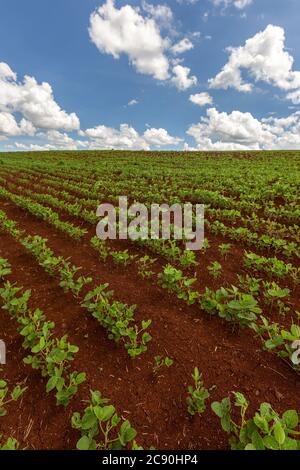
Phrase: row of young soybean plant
pixel 220 207
pixel 237 305
pixel 250 192
pixel 185 293
pixel 184 258
pixel 245 310
pixel 219 210
pixel 99 425
pixel 116 317
pixel 170 250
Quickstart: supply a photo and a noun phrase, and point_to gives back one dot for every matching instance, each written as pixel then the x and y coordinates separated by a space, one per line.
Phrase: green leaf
pixel 168 362
pixel 17 392
pixel 266 410
pixel 271 443
pixel 225 422
pixel 146 324
pixel 240 400
pixel 279 433
pixel 89 420
pixel 83 443
pixel 51 384
pixel 261 423
pixel 250 447
pixel 127 433
pixel 60 384
pixel 257 441
pixel 115 420
pixel 76 420
pixel 104 413
pixel 291 419
pixel 81 378
pixel 217 408
pixel 196 374
pixel 290 444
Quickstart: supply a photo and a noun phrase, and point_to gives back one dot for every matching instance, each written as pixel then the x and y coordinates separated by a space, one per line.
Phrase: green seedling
pixel 101 247
pixel 69 282
pixel 249 284
pixel 224 249
pixel 118 319
pixel 144 265
pixel 101 428
pixel 197 394
pixel 266 430
pixel 7 396
pixel 122 257
pixel 215 269
pixel 160 362
pixel 4 268
pixel 173 280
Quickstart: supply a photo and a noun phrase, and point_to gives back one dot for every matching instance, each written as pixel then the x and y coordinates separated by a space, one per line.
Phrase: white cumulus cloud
pixel 182 46
pixel 9 126
pixel 160 137
pixel 265 58
pixel 294 96
pixel 125 31
pixel 182 78
pixel 162 13
pixel 201 99
pixel 104 137
pixel 34 102
pixel 242 131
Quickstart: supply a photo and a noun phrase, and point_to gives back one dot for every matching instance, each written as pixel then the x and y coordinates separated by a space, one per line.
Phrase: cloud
pixel 240 4
pixel 217 131
pixel 182 79
pixel 127 137
pixel 35 103
pixel 6 72
pixel 294 96
pixel 62 140
pixel 201 99
pixel 161 13
pixel 126 31
pixel 30 147
pixel 182 46
pixel 55 140
pixel 132 102
pixel 286 131
pixel 160 137
pixel 191 2
pixel 265 58
pixel 107 137
pixel 9 126
pixel 20 146
pixel 242 131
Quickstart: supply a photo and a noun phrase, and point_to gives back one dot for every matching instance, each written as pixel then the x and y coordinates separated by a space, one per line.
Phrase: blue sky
pixel 155 55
